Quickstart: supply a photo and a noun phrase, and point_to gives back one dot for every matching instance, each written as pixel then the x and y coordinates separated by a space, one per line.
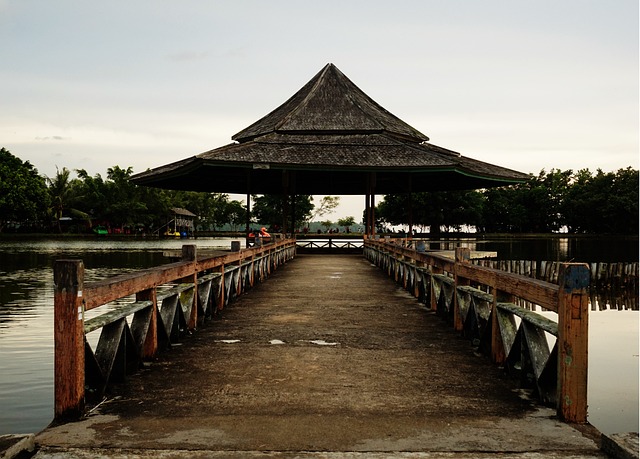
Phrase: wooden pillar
pixel 190 253
pixel 285 201
pixel 150 345
pixel 410 235
pixel 573 341
pixel 410 182
pixel 370 204
pixel 367 219
pixel 292 190
pixel 373 213
pixel 248 212
pixel 68 335
pixel 462 255
pixel 247 225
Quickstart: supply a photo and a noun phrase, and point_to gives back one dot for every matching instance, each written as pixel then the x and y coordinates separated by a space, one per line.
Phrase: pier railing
pixel 330 245
pixel 480 302
pixel 160 304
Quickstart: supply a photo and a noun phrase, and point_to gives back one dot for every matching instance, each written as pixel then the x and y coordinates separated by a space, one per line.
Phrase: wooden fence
pixel 330 245
pixel 166 301
pixel 480 302
pixel 611 284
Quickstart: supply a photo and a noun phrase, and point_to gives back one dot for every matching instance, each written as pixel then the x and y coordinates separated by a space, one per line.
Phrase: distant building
pixel 180 223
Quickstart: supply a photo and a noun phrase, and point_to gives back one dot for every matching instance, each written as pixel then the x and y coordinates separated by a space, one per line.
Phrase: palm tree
pixel 59 190
pixel 61 193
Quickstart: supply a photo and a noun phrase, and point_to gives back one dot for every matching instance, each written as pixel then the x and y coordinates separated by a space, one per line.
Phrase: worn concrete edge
pixel 621 446
pixel 116 453
pixel 13 444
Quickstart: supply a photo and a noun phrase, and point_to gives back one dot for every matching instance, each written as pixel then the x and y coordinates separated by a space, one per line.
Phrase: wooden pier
pixel 329 358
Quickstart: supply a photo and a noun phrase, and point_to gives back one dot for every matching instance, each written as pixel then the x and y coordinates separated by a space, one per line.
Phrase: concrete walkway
pixel 326 359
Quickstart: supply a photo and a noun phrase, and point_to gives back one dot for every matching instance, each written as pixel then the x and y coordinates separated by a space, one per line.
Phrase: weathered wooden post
pixel 462 255
pixel 498 354
pixel 68 335
pixel 434 297
pixel 221 298
pixel 190 253
pixel 150 345
pixel 573 341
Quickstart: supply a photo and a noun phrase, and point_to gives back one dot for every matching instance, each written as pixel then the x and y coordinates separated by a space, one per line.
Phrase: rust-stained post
pixel 68 335
pixel 573 341
pixel 150 345
pixel 190 253
pixel 462 255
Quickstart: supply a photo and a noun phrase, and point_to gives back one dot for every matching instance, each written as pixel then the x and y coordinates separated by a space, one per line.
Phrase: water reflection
pixel 17 289
pixel 585 249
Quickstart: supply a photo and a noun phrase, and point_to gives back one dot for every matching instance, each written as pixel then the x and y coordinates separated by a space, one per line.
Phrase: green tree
pixel 443 210
pixel 23 193
pixel 502 213
pixel 236 214
pixel 327 224
pixel 347 222
pixel 604 203
pixel 271 210
pixel 65 193
pixel 124 206
pixel 531 207
pixel 327 205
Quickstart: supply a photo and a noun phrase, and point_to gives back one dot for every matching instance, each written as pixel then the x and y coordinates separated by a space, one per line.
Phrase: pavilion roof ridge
pixel 330 103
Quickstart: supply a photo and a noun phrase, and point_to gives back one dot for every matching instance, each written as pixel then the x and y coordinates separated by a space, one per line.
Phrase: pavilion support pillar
pixel 409 181
pixel 366 213
pixel 370 204
pixel 285 200
pixel 248 213
pixel 292 184
pixel 372 209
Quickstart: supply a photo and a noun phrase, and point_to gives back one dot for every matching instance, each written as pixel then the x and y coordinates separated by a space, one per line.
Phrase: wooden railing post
pixel 221 298
pixel 68 334
pixel 498 354
pixel 434 299
pixel 150 345
pixel 190 253
pixel 573 340
pixel 462 255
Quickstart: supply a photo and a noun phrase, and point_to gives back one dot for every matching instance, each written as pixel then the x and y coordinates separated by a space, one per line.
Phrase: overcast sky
pixel 528 85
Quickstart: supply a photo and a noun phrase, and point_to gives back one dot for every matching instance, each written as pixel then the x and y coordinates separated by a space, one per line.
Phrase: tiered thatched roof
pixel 328 138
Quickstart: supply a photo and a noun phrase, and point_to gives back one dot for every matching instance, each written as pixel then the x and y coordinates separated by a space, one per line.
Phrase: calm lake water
pixel 26 318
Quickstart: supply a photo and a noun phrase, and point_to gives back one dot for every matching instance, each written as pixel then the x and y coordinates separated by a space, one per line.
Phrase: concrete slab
pixel 16 445
pixel 621 445
pixel 328 358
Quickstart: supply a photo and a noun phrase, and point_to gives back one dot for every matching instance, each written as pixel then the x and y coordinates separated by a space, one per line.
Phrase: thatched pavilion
pixel 329 138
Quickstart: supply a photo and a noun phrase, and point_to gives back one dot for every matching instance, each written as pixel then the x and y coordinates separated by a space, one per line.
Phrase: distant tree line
pixel 580 202
pixel 577 202
pixel 30 202
pixel 33 203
